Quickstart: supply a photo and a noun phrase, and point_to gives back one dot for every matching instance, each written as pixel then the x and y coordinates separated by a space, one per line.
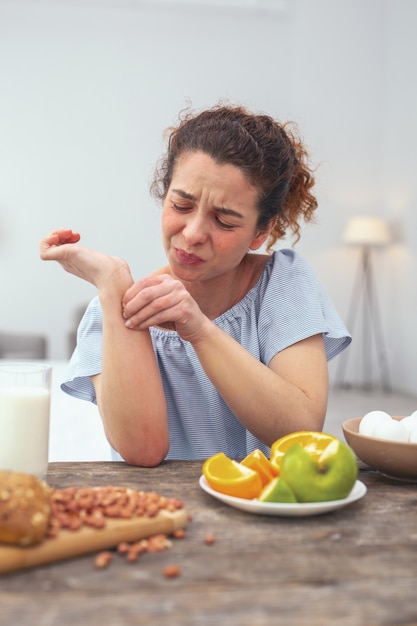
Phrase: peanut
pixel 103 559
pixel 73 508
pixel 123 547
pixel 158 543
pixel 171 571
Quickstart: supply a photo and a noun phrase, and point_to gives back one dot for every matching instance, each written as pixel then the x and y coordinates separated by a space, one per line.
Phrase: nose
pixel 195 231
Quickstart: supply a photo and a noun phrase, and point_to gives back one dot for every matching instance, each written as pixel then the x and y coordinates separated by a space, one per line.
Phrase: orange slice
pixel 313 442
pixel 257 461
pixel 230 477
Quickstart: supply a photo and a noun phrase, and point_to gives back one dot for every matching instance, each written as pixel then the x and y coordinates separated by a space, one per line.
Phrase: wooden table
pixel 354 566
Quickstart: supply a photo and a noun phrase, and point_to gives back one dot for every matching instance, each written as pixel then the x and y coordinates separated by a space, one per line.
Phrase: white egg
pixel 412 437
pixel 410 422
pixel 392 430
pixel 370 420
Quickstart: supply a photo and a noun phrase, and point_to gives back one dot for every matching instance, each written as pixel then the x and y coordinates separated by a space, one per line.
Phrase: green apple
pixel 330 477
pixel 277 490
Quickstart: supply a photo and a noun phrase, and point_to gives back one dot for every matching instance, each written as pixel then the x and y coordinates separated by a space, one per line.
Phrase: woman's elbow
pixel 144 453
pixel 148 459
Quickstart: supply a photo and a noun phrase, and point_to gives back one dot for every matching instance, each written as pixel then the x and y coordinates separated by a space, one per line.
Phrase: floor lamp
pixel 366 233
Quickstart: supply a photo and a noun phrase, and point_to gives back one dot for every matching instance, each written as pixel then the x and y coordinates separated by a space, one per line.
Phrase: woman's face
pixel 209 218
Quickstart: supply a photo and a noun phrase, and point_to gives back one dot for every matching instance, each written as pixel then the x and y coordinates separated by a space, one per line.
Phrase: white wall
pixel 399 187
pixel 87 87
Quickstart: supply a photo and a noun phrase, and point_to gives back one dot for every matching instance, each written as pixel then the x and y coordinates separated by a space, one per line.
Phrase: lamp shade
pixel 366 231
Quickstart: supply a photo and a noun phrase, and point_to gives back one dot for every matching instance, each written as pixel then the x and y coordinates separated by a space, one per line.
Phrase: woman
pixel 224 348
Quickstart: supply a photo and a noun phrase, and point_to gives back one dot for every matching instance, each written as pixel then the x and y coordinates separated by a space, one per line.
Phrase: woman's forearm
pixel 269 402
pixel 129 390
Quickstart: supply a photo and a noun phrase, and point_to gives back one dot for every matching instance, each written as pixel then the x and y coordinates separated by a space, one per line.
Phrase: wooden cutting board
pixel 70 544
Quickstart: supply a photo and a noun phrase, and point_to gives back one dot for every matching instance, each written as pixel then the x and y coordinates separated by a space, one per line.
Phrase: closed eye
pixel 178 207
pixel 224 224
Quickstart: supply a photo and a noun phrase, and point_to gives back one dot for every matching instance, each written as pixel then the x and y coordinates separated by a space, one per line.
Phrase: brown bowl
pixel 391 458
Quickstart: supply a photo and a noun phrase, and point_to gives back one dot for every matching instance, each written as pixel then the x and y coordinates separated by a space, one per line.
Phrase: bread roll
pixel 24 508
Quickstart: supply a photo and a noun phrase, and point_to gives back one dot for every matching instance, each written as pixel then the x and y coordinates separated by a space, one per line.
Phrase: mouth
pixel 187 258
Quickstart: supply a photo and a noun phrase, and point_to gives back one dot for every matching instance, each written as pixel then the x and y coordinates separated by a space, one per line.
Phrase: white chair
pixel 22 346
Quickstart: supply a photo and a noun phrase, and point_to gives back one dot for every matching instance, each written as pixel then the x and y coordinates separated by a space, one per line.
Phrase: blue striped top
pixel 287 304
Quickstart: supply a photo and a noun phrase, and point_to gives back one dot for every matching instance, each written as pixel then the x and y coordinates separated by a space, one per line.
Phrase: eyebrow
pixel 220 209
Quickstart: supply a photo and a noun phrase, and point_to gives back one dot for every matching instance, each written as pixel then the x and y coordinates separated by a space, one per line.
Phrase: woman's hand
pixel 162 300
pixel 92 266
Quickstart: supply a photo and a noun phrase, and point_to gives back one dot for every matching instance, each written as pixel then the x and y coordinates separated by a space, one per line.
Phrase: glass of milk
pixel 25 401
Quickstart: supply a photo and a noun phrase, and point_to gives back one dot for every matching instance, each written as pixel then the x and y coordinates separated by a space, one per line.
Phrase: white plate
pixel 283 509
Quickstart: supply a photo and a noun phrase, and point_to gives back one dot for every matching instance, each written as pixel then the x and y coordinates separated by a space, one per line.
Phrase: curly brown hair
pixel 271 155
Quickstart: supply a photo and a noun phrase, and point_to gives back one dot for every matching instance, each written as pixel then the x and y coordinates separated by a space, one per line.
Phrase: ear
pixel 261 237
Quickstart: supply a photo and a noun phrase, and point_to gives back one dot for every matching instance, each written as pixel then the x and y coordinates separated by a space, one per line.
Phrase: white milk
pixel 24 429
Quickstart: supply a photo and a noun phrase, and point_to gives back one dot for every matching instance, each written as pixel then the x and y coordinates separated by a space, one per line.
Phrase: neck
pixel 222 293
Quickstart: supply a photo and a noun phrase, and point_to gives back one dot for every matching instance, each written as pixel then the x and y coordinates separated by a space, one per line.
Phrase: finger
pixel 65 235
pixel 157 311
pixel 61 236
pixel 57 238
pixel 139 286
pixel 143 294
